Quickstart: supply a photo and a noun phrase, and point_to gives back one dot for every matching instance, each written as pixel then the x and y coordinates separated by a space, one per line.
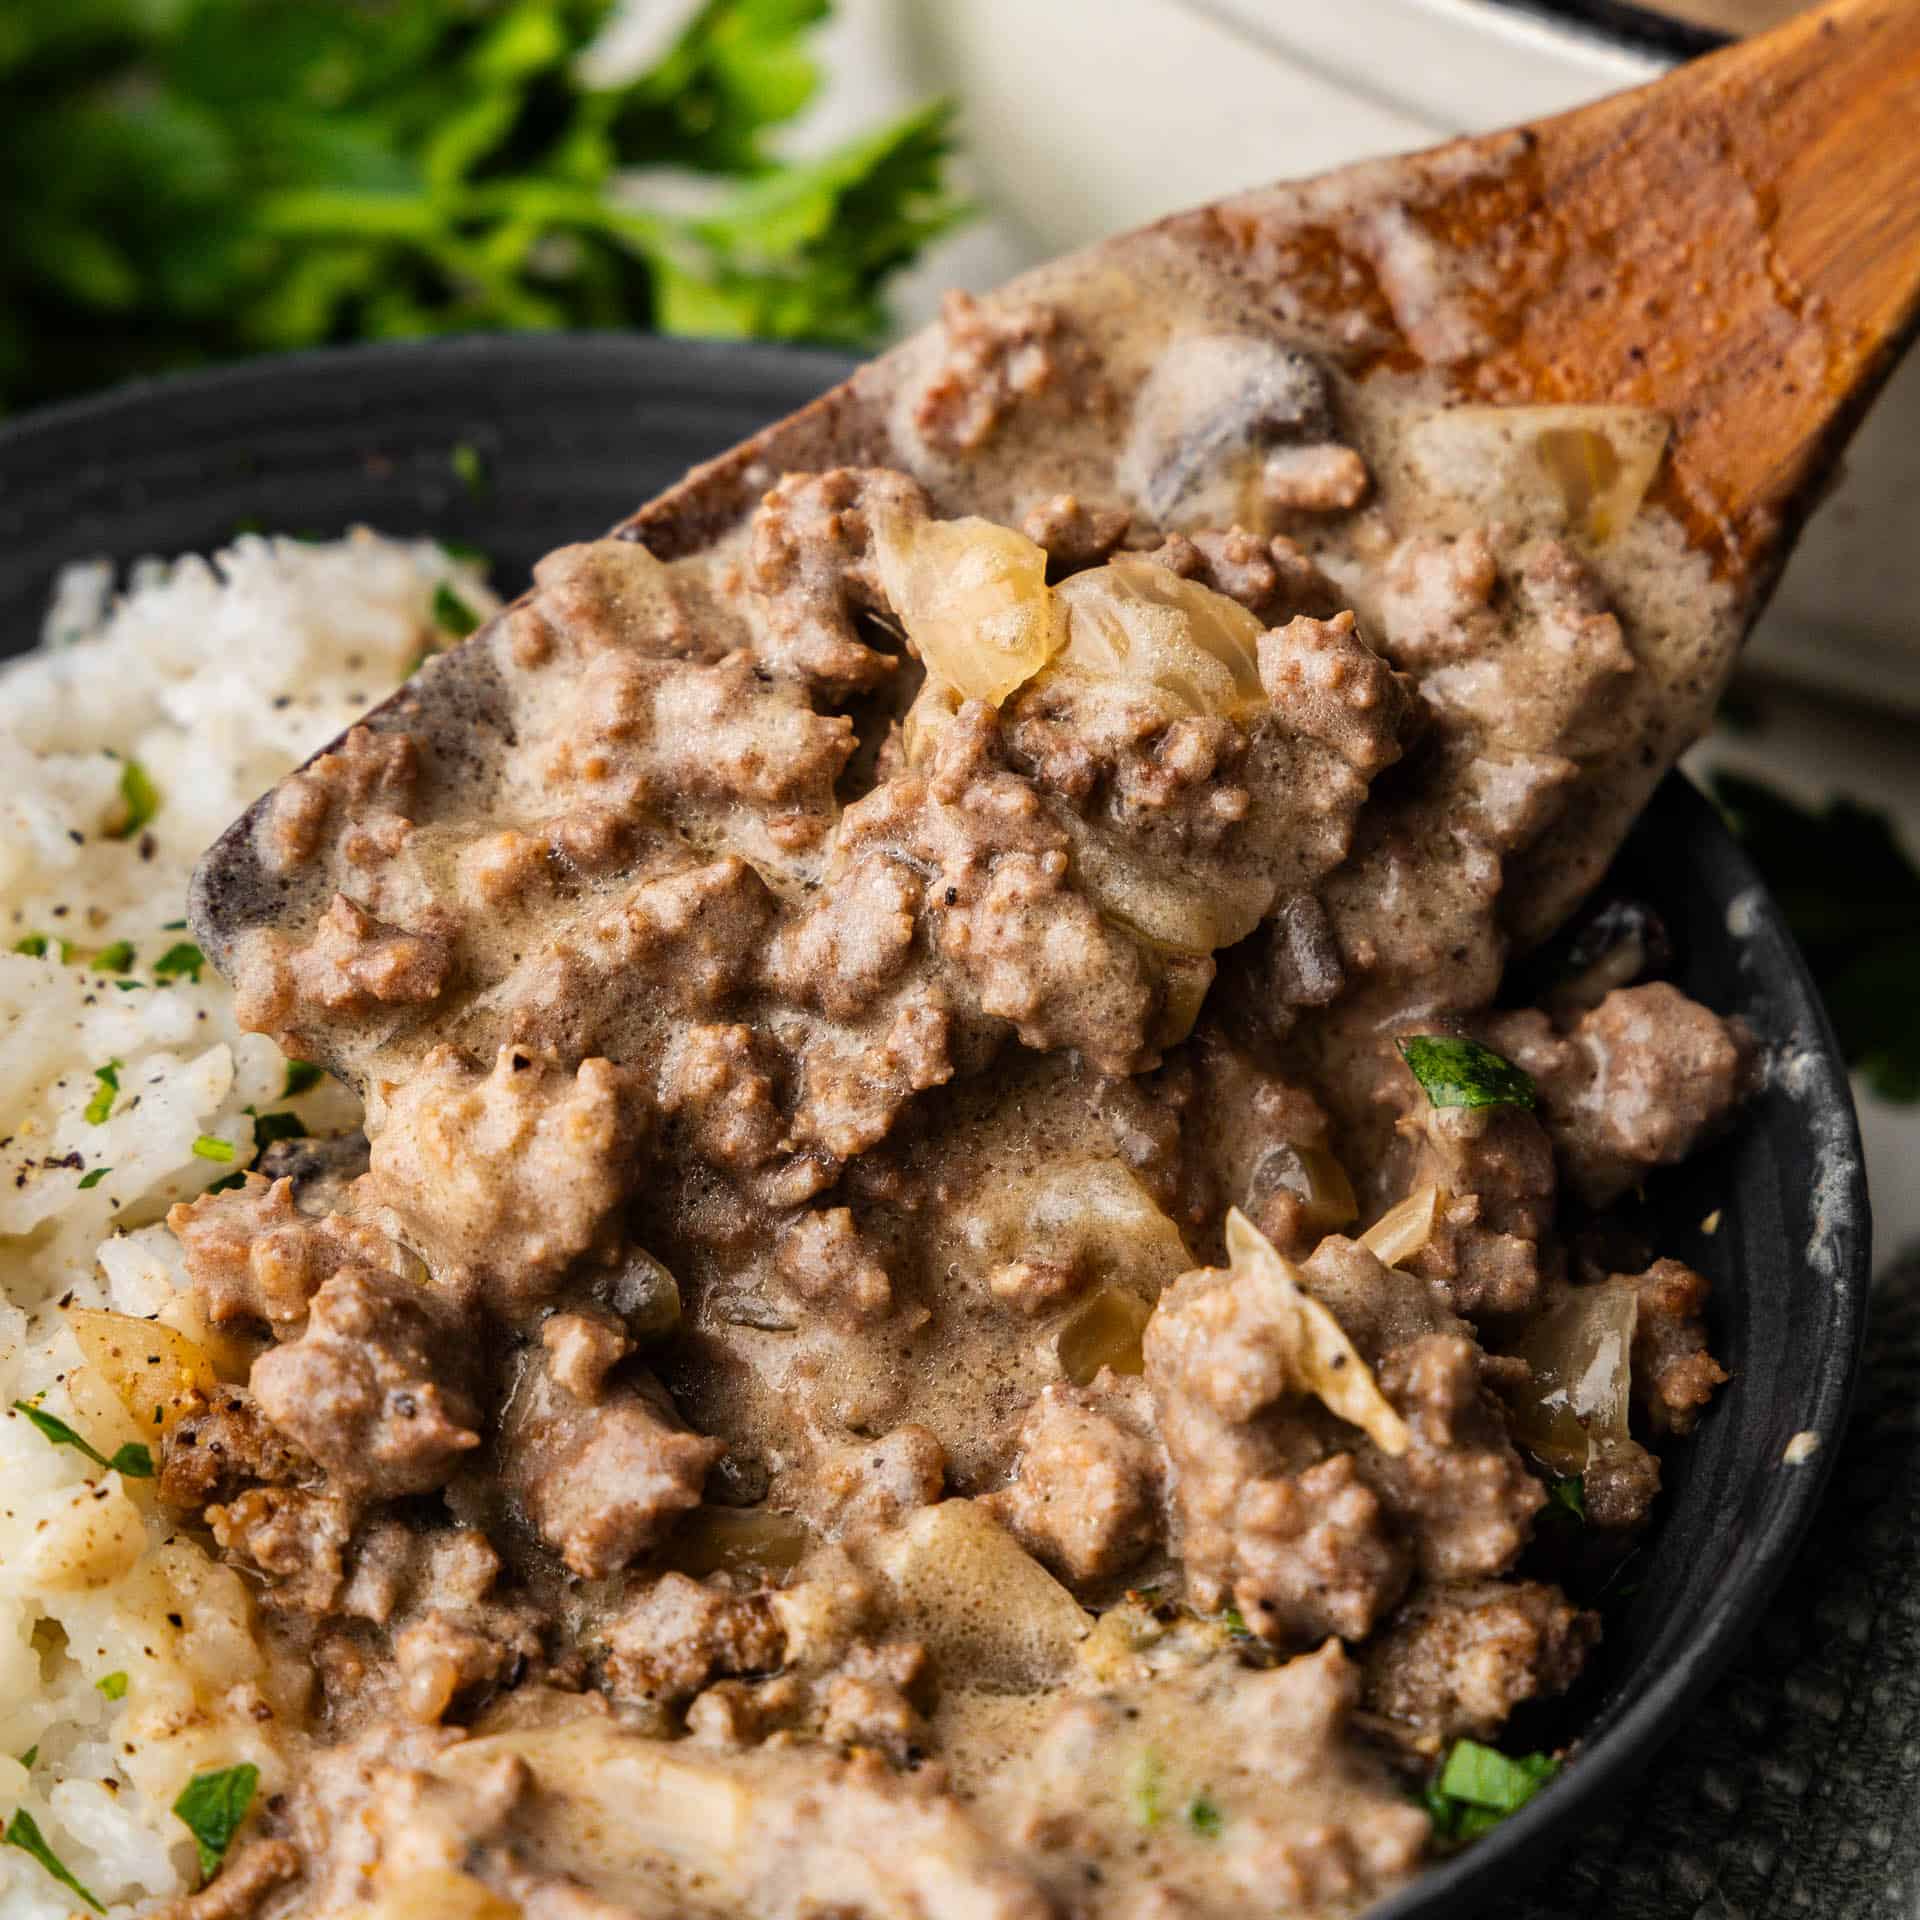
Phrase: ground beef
pixel 678 1634
pixel 1454 1661
pixel 513 1173
pixel 376 1388
pixel 355 964
pixel 213 1455
pixel 294 1538
pixel 256 1870
pixel 254 1255
pixel 1298 1542
pixel 1084 1496
pixel 360 791
pixel 1674 1376
pixel 1636 1083
pixel 1001 358
pixel 602 1480
pixel 1460 1493
pixel 1322 479
pixel 1075 535
pixel 823 1259
pixel 812 571
pixel 1273 578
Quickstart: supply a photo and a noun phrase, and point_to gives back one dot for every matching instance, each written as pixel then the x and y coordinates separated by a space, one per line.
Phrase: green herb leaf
pixel 468 467
pixel 302 1075
pixel 1478 1786
pixel 173 926
pixel 212 1806
pixel 139 801
pixel 92 1178
pixel 1568 1491
pixel 1204 1817
pixel 269 1127
pixel 1146 1785
pixel 34 946
pixel 30 1756
pixel 100 1107
pixel 117 957
pixel 113 1685
pixel 182 957
pixel 1463 1073
pixel 451 614
pixel 23 1832
pixel 133 1459
pixel 209 1146
pixel 1236 1623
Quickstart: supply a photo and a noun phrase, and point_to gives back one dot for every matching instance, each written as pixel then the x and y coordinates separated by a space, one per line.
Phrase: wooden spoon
pixel 1736 245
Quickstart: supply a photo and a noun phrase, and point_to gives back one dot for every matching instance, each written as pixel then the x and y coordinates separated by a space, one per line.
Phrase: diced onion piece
pixel 1404 1228
pixel 1135 620
pixel 1106 1332
pixel 1316 1179
pixel 1321 1360
pixel 1585 469
pixel 1092 1216
pixel 1183 918
pixel 736 1540
pixel 1579 1398
pixel 974 601
pixel 990 1614
pixel 439 1893
pixel 157 1374
pixel 627 1805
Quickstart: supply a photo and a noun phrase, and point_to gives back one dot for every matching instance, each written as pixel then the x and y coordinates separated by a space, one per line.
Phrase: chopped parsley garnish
pixel 133 1459
pixel 30 1756
pixel 1463 1073
pixel 93 1177
pixel 465 550
pixel 182 957
pixel 1569 1492
pixel 116 957
pixel 1235 1623
pixel 209 1146
pixel 1478 1787
pixel 269 1127
pixel 451 614
pixel 1204 1817
pixel 24 1833
pixel 34 946
pixel 211 1807
pixel 105 1094
pixel 468 467
pixel 1145 1786
pixel 173 926
pixel 301 1076
pixel 139 800
pixel 128 986
pixel 112 1685
pixel 1851 894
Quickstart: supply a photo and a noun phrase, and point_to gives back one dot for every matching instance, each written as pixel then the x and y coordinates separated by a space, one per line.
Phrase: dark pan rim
pixel 1618 1749
pixel 1619 23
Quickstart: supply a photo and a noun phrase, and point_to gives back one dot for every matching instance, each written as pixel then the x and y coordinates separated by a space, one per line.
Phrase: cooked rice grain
pixel 212 679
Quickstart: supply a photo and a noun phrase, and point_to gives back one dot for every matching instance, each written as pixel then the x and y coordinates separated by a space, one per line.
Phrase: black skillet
pixel 517 445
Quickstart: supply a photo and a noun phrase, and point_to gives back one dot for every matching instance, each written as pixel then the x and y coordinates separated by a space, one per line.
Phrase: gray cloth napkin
pixel 1795 1791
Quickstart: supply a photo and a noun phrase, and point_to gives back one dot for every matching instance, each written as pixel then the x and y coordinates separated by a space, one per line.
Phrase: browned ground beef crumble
pixel 770 1425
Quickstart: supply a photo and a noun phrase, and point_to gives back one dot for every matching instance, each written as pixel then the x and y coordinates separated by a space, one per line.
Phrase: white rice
pixel 214 678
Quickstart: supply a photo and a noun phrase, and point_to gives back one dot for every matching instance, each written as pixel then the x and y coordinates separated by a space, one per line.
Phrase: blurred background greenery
pixel 192 180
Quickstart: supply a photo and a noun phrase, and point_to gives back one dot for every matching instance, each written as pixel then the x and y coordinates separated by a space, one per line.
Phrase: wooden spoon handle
pixel 1738 245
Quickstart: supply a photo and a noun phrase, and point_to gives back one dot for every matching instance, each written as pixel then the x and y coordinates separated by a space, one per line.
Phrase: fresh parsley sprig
pixel 1462 1073
pixel 133 1459
pixel 215 177
pixel 1478 1786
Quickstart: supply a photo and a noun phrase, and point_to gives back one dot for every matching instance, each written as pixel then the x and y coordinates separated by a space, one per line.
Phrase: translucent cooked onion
pixel 158 1375
pixel 1579 1398
pixel 1135 620
pixel 1404 1229
pixel 1320 1359
pixel 1586 469
pixel 974 602
pixel 1105 1332
pixel 736 1540
pixel 1316 1179
pixel 1092 1216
